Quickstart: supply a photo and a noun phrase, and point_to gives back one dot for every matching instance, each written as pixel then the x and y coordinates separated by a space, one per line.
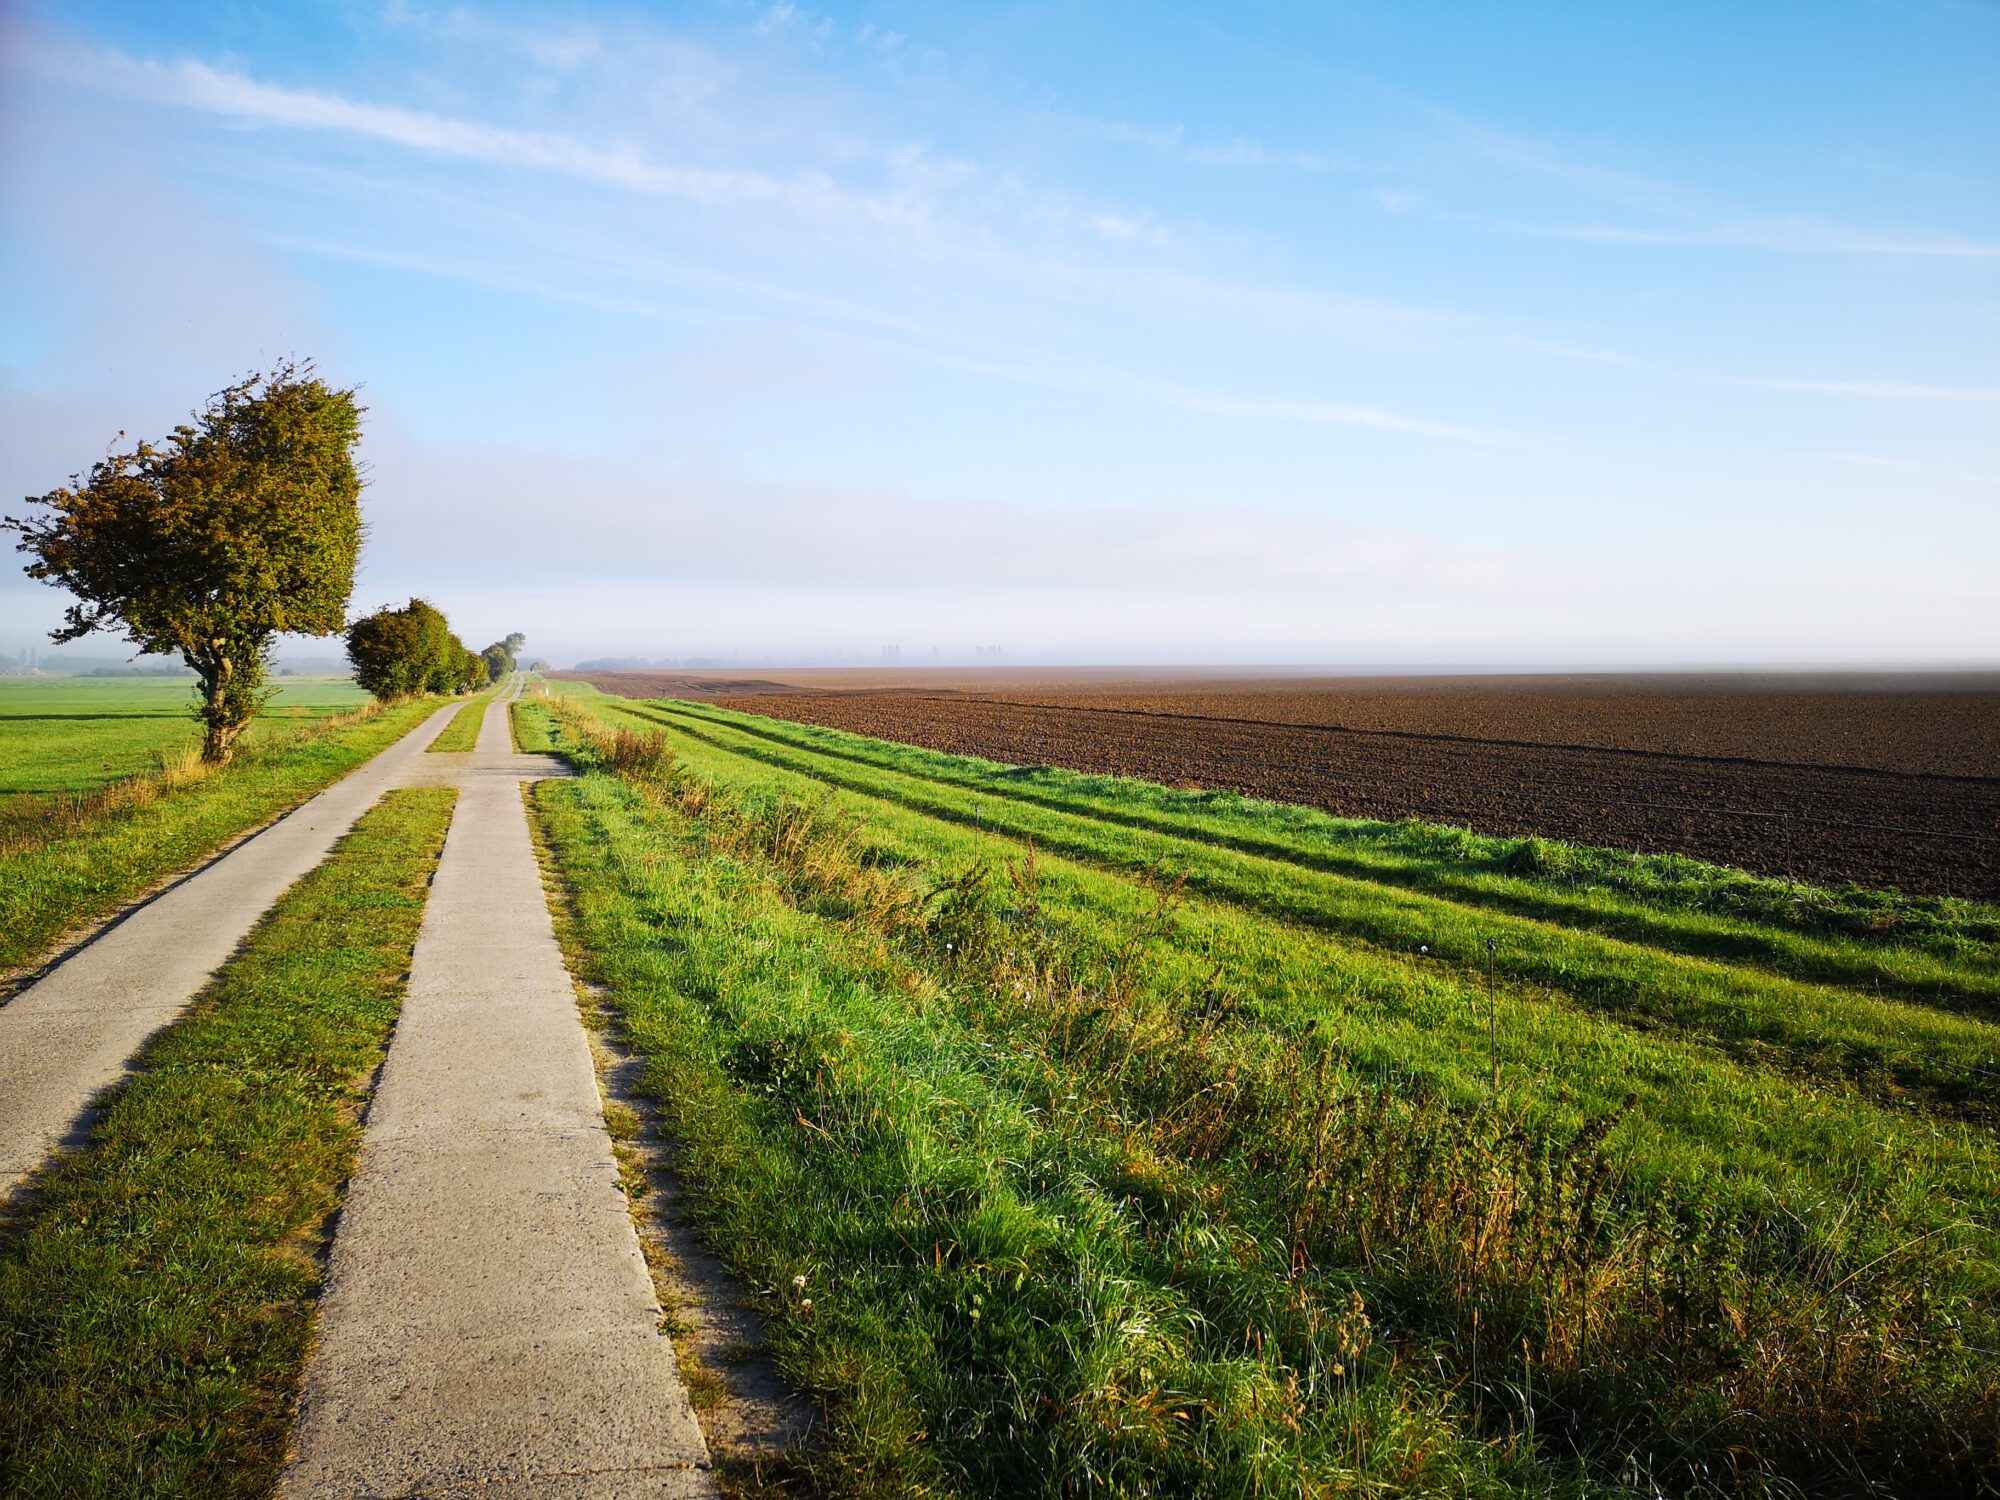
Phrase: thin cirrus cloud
pixel 1883 390
pixel 234 95
pixel 218 91
pixel 1690 219
pixel 1800 236
pixel 1079 379
pixel 1173 141
pixel 809 195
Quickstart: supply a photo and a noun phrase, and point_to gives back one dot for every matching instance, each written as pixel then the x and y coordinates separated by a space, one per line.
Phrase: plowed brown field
pixel 1881 781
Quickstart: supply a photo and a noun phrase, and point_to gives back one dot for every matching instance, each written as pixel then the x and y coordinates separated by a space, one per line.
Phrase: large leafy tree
pixel 238 527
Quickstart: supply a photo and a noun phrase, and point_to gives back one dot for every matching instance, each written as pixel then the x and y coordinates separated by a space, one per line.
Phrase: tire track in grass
pixel 1953 973
pixel 1902 1056
pixel 157 1288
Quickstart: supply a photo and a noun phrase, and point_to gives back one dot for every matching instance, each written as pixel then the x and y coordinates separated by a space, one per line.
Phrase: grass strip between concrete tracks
pixel 66 867
pixel 462 733
pixel 1326 1259
pixel 156 1287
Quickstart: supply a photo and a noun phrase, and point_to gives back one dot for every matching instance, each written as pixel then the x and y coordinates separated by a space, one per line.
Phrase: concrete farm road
pixel 489 1325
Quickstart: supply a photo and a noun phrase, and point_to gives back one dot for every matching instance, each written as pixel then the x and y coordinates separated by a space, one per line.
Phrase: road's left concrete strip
pixel 72 1033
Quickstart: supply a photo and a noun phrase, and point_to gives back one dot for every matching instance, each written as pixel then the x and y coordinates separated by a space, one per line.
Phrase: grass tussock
pixel 156 1290
pixel 1399 1260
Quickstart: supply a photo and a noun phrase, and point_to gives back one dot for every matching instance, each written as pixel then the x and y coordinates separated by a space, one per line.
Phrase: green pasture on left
pixel 76 734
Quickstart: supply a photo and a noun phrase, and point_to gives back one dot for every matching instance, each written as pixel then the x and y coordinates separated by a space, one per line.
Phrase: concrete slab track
pixel 489 1325
pixel 69 1035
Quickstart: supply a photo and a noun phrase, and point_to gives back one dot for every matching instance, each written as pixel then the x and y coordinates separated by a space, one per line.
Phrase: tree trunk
pixel 220 743
pixel 220 740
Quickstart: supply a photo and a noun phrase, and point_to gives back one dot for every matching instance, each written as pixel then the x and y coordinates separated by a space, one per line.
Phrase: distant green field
pixel 75 734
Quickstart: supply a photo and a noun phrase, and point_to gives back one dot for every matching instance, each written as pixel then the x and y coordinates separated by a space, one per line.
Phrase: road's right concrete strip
pixel 496 730
pixel 72 1033
pixel 489 1326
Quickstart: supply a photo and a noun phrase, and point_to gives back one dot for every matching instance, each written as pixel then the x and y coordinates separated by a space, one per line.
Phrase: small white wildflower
pixel 806 1305
pixel 798 1283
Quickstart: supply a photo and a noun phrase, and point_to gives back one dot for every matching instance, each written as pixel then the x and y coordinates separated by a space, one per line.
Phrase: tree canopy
pixel 237 527
pixel 398 653
pixel 500 655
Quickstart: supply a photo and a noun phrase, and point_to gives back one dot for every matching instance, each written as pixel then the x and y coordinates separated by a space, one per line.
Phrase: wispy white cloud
pixel 558 46
pixel 1045 374
pixel 1883 390
pixel 908 196
pixel 785 16
pixel 913 197
pixel 232 95
pixel 1796 235
pixel 1534 158
pixel 1683 217
pixel 1175 142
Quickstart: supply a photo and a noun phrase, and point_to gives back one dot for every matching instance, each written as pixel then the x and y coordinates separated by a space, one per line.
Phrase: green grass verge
pixel 534 730
pixel 60 873
pixel 1668 1257
pixel 156 1293
pixel 76 734
pixel 462 733
pixel 983 1307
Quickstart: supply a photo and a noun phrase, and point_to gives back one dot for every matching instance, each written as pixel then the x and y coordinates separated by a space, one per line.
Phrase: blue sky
pixel 1336 333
